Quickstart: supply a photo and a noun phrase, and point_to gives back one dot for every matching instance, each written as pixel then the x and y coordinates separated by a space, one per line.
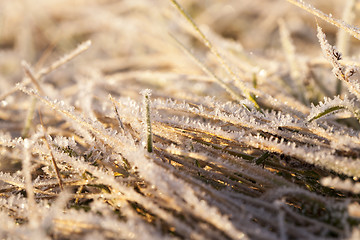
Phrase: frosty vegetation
pixel 185 119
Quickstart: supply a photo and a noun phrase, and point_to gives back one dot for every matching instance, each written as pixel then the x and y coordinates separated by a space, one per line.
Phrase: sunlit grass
pixel 179 120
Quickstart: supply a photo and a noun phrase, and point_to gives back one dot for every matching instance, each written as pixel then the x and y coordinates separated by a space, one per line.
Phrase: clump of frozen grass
pixel 215 165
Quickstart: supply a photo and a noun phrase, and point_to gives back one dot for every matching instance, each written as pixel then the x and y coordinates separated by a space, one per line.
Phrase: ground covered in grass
pixel 158 119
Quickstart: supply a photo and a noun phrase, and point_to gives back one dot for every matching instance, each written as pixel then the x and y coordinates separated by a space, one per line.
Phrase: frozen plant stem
pixel 30 74
pixel 221 60
pixel 290 54
pixel 343 73
pixel 29 118
pixel 66 58
pixel 121 125
pixel 51 155
pixel 54 162
pixel 205 69
pixel 149 144
pixel 26 171
pixel 342 38
pixel 55 65
pixel 30 114
pixel 328 18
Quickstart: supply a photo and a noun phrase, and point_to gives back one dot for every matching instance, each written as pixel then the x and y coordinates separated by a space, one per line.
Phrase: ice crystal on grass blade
pixel 342 72
pixel 332 55
pixel 331 106
pixel 338 23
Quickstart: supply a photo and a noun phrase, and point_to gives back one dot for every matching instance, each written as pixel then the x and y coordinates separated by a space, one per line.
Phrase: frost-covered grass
pixel 164 119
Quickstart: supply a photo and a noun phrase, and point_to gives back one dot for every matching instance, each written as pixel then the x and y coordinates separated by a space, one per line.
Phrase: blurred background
pixel 132 47
pixel 133 33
